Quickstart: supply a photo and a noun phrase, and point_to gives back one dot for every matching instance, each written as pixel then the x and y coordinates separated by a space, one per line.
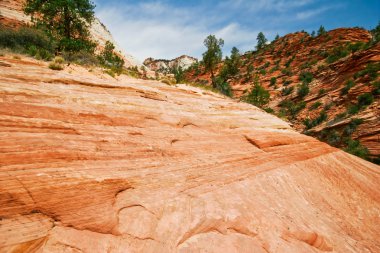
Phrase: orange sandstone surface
pixel 94 164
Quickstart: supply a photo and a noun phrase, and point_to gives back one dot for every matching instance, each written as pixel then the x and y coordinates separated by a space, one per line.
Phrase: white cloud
pixel 311 13
pixel 159 31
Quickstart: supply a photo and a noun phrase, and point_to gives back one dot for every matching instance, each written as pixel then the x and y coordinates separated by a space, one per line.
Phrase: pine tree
pixel 213 56
pixel 258 96
pixel 321 31
pixel 261 41
pixel 277 37
pixel 66 21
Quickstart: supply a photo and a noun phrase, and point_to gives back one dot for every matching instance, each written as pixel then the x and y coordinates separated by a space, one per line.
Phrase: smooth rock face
pixel 90 164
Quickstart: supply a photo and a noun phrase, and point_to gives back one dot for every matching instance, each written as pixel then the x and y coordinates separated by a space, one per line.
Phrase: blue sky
pixel 169 28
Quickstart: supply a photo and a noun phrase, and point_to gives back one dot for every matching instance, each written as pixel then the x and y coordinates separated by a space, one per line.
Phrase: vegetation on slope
pixel 61 28
pixel 298 76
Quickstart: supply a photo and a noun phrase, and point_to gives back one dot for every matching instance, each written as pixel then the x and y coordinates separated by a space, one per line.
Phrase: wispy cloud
pixel 158 30
pixel 169 28
pixel 314 12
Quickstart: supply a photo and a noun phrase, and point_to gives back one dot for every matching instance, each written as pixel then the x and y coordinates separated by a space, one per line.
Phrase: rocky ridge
pixel 286 59
pixel 93 164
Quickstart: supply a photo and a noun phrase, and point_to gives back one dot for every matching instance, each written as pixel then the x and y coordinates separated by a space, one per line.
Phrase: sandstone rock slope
pixel 98 165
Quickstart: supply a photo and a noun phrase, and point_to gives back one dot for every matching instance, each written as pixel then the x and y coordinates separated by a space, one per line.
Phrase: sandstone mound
pixel 96 165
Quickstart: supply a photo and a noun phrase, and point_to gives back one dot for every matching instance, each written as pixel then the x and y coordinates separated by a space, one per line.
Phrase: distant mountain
pixel 165 66
pixel 12 15
pixel 340 100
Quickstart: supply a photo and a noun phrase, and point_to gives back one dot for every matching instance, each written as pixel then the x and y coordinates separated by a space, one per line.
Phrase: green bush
pixel 291 109
pixel 354 47
pixel 315 105
pixel 303 90
pixel 354 147
pixel 333 138
pixel 365 100
pixel 370 70
pixel 306 77
pixel 347 87
pixel 258 96
pixel 84 58
pixel 353 109
pixel 352 126
pixel 223 86
pixel 287 71
pixel 273 81
pixel 315 122
pixel 321 92
pixel 336 54
pixel 376 88
pixel 28 41
pixel 286 82
pixel 24 37
pixel 287 90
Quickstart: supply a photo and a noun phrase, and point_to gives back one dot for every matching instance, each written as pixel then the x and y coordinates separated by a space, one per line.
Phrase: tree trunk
pixel 67 23
pixel 213 79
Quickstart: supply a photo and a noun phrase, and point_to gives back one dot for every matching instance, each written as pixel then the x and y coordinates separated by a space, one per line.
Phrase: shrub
pixel 24 37
pixel 328 106
pixel 347 87
pixel 315 122
pixel 269 110
pixel 352 126
pixel 303 90
pixel 55 66
pixel 59 60
pixel 376 88
pixel 353 109
pixel 365 100
pixel 166 81
pixel 333 138
pixel 370 70
pixel 287 71
pixel 321 92
pixel 306 77
pixel 287 90
pixel 336 54
pixel 315 105
pixel 290 108
pixel 354 147
pixel 258 96
pixel 354 47
pixel 273 81
pixel 81 58
pixel 223 86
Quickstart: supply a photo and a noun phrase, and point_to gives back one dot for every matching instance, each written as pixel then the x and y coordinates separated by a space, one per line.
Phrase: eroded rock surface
pixel 89 164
